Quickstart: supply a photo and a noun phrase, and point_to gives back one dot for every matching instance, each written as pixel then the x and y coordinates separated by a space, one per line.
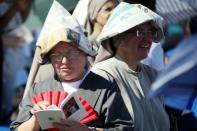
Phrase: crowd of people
pixel 15 52
pixel 110 60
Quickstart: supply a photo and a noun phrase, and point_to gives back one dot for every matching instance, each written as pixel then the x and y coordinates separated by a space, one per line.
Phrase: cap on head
pixel 61 26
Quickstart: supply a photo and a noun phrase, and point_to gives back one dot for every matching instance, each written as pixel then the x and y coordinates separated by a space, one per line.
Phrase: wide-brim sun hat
pixel 127 16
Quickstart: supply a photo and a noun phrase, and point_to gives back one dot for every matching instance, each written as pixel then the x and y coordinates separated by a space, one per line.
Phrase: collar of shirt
pixel 71 87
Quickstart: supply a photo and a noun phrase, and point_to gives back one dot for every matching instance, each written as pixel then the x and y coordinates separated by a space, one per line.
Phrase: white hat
pixel 61 26
pixel 126 16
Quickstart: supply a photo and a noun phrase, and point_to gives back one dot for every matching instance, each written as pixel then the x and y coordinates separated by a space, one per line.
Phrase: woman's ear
pixel 117 40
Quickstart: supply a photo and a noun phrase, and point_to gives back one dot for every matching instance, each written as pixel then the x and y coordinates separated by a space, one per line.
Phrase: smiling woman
pixel 134 46
pixel 124 43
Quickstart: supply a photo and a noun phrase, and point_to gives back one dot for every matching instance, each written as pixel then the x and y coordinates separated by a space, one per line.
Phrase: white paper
pixel 71 108
pixel 47 117
pixel 74 108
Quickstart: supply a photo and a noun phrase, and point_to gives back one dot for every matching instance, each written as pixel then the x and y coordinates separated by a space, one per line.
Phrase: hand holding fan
pixel 58 98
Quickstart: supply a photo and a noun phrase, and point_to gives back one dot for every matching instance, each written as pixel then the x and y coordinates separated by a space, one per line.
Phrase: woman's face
pixel 105 12
pixel 68 61
pixel 136 44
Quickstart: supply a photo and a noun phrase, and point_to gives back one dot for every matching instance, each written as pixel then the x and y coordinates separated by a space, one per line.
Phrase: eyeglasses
pixel 71 55
pixel 146 33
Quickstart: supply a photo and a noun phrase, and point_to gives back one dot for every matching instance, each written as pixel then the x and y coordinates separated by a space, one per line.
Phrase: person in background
pixel 97 16
pixel 119 57
pixel 19 41
pixel 174 34
pixel 12 14
pixel 67 51
pixel 181 120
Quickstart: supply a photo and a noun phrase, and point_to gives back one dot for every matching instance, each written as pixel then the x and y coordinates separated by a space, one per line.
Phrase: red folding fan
pixel 56 98
pixel 91 114
pixel 53 97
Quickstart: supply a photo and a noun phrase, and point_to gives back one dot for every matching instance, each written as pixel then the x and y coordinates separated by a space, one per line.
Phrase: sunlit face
pixel 105 12
pixel 137 47
pixel 68 61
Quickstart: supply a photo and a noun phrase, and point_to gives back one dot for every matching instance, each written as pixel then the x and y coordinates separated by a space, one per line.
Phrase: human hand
pixel 70 125
pixel 42 105
pixel 12 41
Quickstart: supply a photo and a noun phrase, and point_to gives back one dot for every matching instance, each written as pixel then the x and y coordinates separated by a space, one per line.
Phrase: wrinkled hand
pixel 40 106
pixel 70 125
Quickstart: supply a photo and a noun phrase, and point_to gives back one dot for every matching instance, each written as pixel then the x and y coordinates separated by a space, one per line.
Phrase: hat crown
pixel 126 16
pixel 60 25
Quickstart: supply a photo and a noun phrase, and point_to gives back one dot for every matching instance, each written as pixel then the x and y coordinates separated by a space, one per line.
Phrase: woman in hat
pixel 69 61
pixel 125 41
pixel 67 48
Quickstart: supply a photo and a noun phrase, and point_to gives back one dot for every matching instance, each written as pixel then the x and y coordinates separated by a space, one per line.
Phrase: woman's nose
pixel 65 59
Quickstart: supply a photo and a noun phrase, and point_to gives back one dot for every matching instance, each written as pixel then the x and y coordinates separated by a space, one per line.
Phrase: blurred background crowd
pixel 22 20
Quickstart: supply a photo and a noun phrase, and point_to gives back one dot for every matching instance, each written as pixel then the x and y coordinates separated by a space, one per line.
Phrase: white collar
pixel 71 87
